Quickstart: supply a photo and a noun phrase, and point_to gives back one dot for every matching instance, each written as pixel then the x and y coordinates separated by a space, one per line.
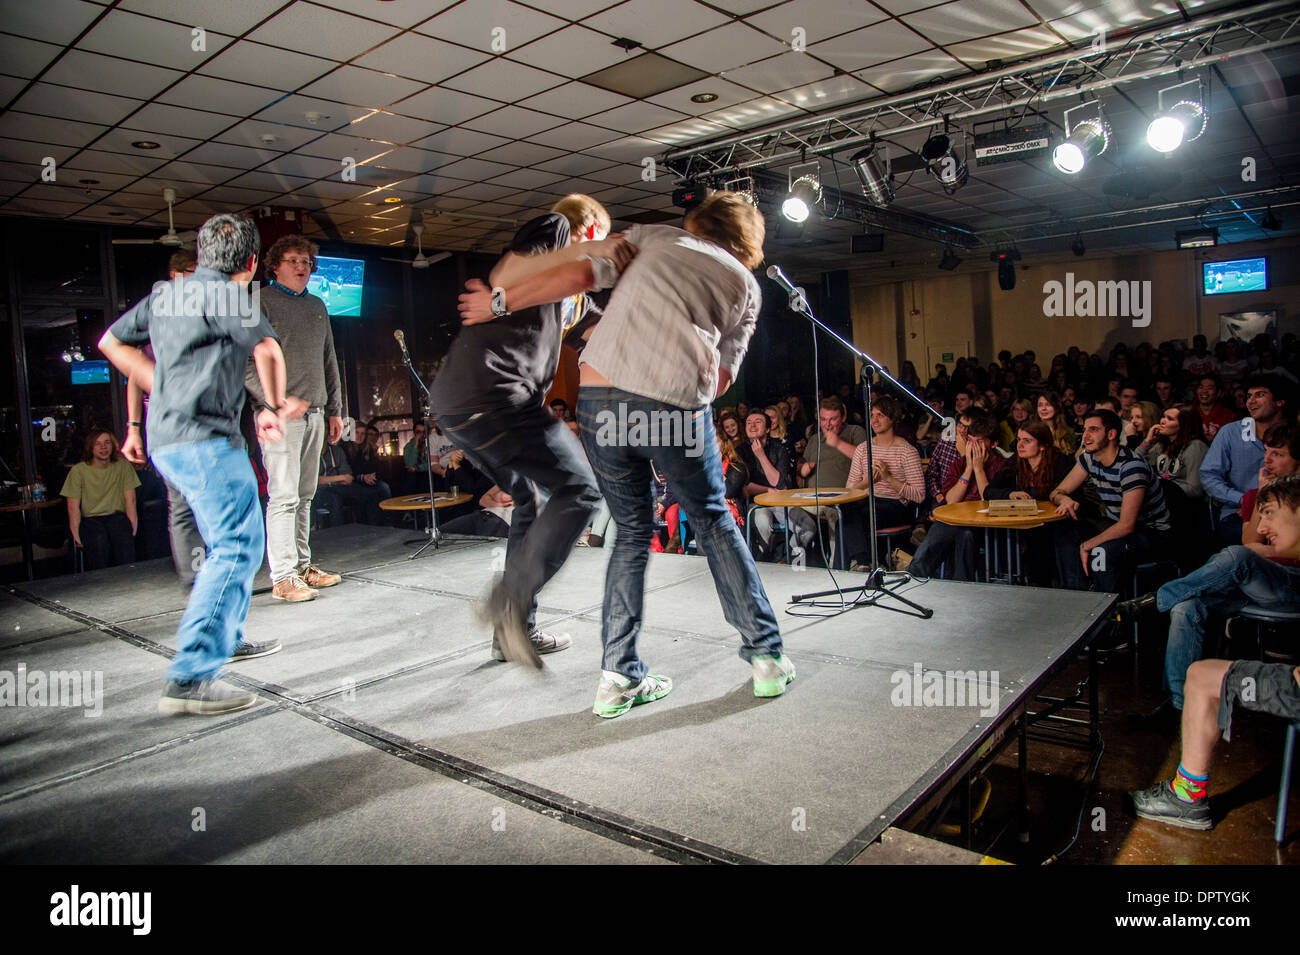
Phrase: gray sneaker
pixel 509 627
pixel 248 650
pixel 206 698
pixel 542 642
pixel 1162 804
pixel 618 694
pixel 771 674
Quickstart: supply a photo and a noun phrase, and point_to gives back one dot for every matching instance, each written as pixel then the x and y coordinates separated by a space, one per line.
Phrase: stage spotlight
pixel 1006 261
pixel 1077 246
pixel 1087 140
pixel 943 163
pixel 949 260
pixel 805 191
pixel 1181 123
pixel 875 181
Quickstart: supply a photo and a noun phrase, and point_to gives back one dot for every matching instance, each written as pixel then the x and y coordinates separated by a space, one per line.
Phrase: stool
pixel 1284 791
pixel 1152 566
pixel 1266 616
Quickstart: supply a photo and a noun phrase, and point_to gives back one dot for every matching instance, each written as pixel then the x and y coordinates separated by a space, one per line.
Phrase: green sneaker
pixel 618 694
pixel 771 674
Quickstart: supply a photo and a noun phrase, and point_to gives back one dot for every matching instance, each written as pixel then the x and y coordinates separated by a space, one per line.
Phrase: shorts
pixel 1262 687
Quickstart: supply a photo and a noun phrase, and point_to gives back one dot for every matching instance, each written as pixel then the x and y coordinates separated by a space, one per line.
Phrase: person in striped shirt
pixel 897 484
pixel 1137 521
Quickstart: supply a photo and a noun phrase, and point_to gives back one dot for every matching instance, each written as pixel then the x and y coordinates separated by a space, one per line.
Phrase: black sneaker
pixel 1138 608
pixel 247 650
pixel 1162 804
pixel 206 698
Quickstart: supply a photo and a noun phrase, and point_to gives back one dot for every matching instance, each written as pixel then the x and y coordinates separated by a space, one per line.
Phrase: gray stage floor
pixel 387 735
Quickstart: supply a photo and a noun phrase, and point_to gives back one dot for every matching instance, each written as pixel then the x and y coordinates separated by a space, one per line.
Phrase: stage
pixel 386 734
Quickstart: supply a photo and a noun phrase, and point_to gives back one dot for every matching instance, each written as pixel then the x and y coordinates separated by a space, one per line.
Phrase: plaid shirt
pixel 941 461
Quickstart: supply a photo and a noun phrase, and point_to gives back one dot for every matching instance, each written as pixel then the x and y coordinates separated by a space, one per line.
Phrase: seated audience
pixel 1051 411
pixel 493 520
pixel 1231 467
pixel 897 483
pixel 100 491
pixel 1175 447
pixel 1039 467
pixel 1140 418
pixel 1213 414
pixel 768 464
pixel 337 487
pixel 415 455
pixel 826 463
pixel 364 459
pixel 1281 457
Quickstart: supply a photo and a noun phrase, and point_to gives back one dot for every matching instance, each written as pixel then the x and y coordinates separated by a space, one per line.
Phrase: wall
pixel 956 309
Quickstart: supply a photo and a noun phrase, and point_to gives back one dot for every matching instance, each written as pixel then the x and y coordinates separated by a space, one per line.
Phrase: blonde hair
pixel 777 430
pixel 582 212
pixel 732 221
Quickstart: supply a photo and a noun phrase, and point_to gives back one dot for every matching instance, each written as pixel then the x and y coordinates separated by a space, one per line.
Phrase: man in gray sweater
pixel 302 325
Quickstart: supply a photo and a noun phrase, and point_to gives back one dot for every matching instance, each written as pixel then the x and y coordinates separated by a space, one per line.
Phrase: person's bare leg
pixel 1201 713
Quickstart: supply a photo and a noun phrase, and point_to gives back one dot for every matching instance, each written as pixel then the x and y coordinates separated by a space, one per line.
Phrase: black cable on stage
pixel 1087 785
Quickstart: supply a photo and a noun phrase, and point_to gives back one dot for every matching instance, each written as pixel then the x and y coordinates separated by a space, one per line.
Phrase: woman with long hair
pixel 1022 409
pixel 735 475
pixel 780 431
pixel 1038 469
pixel 1051 412
pixel 1175 447
pixel 730 424
pixel 1140 418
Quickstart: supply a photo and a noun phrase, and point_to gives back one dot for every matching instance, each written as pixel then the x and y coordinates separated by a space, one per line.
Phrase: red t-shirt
pixel 1215 420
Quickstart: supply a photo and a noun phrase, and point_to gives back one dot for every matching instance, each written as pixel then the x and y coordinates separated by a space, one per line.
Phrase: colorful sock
pixel 1187 787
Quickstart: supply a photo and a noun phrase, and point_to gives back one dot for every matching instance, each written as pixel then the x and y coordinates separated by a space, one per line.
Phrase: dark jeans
pixel 332 499
pixel 107 541
pixel 889 513
pixel 538 462
pixel 1110 562
pixel 188 549
pixel 478 524
pixel 685 451
pixel 955 547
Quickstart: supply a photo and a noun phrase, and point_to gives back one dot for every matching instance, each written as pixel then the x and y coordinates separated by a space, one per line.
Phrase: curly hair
pixel 289 243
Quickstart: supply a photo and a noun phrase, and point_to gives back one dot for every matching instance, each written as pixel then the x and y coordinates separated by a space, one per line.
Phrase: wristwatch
pixel 499 302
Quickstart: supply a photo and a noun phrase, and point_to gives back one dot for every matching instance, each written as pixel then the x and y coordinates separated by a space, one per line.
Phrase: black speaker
pixel 867 242
pixel 1006 275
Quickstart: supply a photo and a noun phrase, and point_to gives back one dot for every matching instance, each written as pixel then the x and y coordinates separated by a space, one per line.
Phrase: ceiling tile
pixel 525 179
pixel 635 117
pixel 823 94
pixel 335 146
pixel 84 106
pixel 422 58
pixel 330 189
pixel 73 173
pixel 673 20
pixel 400 13
pixel 416 160
pixel 268 65
pixel 475 170
pixel 269 182
pixel 226 154
pixel 901 74
pixel 724 48
pixel 484 192
pixel 444 106
pixel 687 131
pixel 196 172
pixel 968 19
pixel 574 51
pixel 473 25
pixel 504 80
pixel 26 57
pixel 56 21
pixel 250 133
pixel 245 197
pixel 193 123
pixel 44 207
pixel 741 6
pixel 309 29
pixel 680 99
pixel 777 73
pixel 514 121
pixel 753 114
pixel 819 19
pixel 139 164
pixel 159 42
pixel 389 128
pixel 572 9
pixel 576 136
pixel 43 129
pixel 460 142
pixel 206 92
pixel 358 87
pixel 86 71
pixel 311 167
pixel 627 149
pixel 575 100
pixel 1004 46
pixel 230 16
pixel 522 154
pixel 874 44
pixel 900 7
pixel 574 165
pixel 293 110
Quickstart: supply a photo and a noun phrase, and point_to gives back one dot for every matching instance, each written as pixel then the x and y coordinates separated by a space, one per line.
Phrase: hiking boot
pixel 542 642
pixel 1162 804
pixel 206 698
pixel 771 674
pixel 315 577
pixel 293 589
pixel 248 650
pixel 618 694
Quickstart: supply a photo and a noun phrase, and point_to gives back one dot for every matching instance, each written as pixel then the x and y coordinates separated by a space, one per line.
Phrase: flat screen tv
pixel 338 283
pixel 90 372
pixel 1235 275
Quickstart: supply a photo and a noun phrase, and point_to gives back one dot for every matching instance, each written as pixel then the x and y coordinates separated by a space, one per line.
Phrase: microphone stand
pixel 435 535
pixel 880 583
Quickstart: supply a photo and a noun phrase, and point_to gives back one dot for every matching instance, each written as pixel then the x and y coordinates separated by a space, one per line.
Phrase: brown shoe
pixel 293 589
pixel 315 577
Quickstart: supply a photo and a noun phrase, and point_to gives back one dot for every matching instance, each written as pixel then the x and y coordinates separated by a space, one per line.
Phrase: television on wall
pixel 1235 275
pixel 90 373
pixel 339 283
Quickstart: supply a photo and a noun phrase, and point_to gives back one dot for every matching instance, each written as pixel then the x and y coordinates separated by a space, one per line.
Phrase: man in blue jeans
pixel 203 327
pixel 671 340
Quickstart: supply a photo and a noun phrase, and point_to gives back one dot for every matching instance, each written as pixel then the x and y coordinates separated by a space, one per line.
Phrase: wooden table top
pixel 420 502
pixel 807 497
pixel 976 514
pixel 32 506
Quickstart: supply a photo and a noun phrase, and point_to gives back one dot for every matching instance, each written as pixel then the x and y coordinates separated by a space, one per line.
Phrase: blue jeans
pixel 686 454
pixel 538 462
pixel 1234 577
pixel 218 483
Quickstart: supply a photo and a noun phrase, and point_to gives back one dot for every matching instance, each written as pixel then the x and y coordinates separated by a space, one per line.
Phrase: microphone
pixel 797 301
pixel 401 340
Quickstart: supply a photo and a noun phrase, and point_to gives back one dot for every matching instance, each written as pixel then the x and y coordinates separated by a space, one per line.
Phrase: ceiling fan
pixel 171 239
pixel 421 261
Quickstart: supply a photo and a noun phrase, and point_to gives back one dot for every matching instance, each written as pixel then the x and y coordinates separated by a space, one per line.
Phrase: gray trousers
pixel 292 467
pixel 188 547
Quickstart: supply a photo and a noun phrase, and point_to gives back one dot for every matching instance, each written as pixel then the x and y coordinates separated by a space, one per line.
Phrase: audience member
pixel 1213 414
pixel 897 483
pixel 1051 412
pixel 337 487
pixel 768 464
pixel 100 491
pixel 1231 467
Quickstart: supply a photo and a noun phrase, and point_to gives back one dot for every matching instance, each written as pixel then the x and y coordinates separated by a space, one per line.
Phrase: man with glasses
pixel 302 324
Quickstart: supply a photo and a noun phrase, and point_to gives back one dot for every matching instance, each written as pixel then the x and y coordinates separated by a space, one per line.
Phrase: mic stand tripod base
pixel 875 588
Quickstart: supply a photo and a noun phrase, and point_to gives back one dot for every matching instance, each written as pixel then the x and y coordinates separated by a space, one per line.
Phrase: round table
pixel 976 514
pixel 808 497
pixel 420 502
pixel 26 509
